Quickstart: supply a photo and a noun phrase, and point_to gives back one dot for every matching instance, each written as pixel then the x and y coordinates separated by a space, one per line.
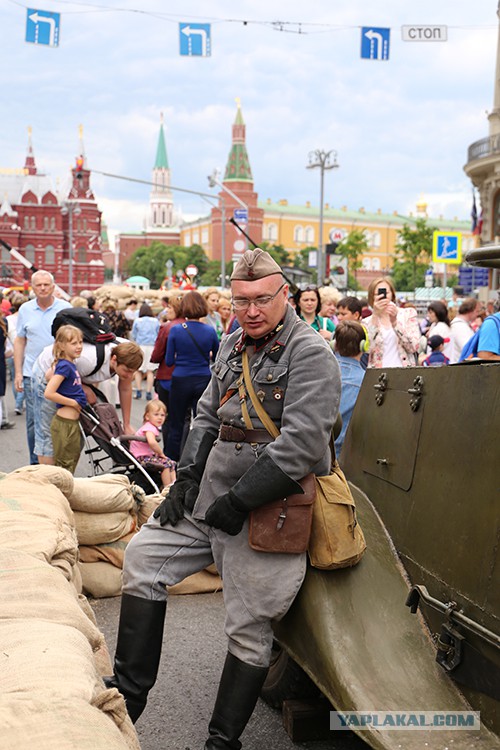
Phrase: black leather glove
pixel 224 514
pixel 183 493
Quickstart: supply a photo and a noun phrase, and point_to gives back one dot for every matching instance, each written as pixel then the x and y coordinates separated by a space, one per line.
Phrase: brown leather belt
pixel 233 434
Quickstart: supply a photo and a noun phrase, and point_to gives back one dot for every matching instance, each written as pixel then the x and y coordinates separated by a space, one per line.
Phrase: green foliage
pixel 211 277
pixel 150 261
pixel 414 247
pixel 352 248
pixel 301 260
pixel 277 252
pixel 108 274
pixel 407 276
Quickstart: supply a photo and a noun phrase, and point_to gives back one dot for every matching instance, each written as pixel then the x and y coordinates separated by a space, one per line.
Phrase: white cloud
pixel 401 128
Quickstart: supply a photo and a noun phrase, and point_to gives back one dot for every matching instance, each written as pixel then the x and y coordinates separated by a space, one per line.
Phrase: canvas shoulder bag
pixel 337 540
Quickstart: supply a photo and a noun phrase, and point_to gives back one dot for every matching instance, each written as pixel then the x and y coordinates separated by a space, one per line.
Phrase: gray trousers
pixel 258 587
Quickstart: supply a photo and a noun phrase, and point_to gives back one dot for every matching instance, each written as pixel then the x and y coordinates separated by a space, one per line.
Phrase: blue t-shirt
pixel 352 374
pixel 489 335
pixel 71 387
pixel 183 352
pixel 35 325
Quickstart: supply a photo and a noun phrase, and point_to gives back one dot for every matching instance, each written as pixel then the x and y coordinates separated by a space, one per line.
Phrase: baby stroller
pixel 107 447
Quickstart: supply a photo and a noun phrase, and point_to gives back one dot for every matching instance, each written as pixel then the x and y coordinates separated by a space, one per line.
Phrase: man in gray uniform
pixel 225 471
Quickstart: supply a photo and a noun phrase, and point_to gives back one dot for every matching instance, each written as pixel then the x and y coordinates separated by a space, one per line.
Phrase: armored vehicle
pixel 415 626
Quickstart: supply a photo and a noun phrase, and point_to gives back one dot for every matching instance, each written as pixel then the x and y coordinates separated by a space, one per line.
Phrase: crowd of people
pixel 167 355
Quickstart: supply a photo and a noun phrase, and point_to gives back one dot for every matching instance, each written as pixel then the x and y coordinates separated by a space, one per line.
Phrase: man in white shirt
pixel 461 329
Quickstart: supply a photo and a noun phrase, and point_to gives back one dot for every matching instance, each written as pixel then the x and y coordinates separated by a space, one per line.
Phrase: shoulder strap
pixel 203 354
pixel 99 353
pixel 261 412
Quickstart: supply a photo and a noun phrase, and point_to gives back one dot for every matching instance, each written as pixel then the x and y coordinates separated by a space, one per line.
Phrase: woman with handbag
pixel 191 347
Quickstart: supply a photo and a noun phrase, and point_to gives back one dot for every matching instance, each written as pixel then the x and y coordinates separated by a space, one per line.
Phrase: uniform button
pixel 269 377
pixel 238 446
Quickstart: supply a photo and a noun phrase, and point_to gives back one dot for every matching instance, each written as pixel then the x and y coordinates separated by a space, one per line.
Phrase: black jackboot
pixel 239 689
pixel 138 650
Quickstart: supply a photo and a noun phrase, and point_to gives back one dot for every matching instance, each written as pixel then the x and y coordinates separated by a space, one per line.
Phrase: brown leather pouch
pixel 285 525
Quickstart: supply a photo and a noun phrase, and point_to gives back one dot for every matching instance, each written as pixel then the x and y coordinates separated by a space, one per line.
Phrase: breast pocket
pixel 270 386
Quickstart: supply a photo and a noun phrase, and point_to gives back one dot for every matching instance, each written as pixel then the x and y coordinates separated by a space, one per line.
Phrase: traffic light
pixel 79 169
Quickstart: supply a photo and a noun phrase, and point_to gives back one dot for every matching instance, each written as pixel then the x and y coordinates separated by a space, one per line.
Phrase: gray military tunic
pixel 297 378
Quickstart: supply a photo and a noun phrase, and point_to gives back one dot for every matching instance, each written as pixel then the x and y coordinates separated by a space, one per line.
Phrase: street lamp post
pixel 323 160
pixel 69 208
pixel 213 180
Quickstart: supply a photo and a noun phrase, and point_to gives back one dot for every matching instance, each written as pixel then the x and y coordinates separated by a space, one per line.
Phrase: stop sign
pixel 191 270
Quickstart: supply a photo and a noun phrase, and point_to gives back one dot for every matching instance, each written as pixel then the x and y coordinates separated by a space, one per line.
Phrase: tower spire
pixel 29 163
pixel 161 208
pixel 161 161
pixel 238 166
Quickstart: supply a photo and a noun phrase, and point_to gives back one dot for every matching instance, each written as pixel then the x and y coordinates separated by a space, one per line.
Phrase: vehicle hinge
pixel 381 388
pixel 416 392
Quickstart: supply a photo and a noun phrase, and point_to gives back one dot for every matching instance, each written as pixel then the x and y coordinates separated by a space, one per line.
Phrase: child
pixel 351 341
pixel 149 454
pixel 436 358
pixel 64 388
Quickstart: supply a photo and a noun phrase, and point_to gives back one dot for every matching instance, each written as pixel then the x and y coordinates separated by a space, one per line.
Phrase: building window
pixel 163 217
pixel 53 223
pixel 298 234
pixel 309 235
pixel 196 237
pixel 33 222
pixel 29 252
pixel 272 232
pixel 81 255
pixel 187 239
pixel 49 254
pixel 376 240
pixel 5 256
pixel 45 223
pixel 366 264
pixel 375 264
pixel 154 217
pixel 27 222
pixel 204 236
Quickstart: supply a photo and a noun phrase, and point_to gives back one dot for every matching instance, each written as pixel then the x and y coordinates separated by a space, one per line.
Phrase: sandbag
pixel 51 540
pixel 48 659
pixel 146 508
pixel 100 528
pixel 106 493
pixel 60 478
pixel 31 589
pixel 111 552
pixel 44 724
pixel 29 494
pixel 101 579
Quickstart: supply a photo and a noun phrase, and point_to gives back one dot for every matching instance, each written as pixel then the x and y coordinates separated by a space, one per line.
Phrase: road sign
pixel 241 215
pixel 194 39
pixel 470 277
pixel 375 43
pixel 424 33
pixel 447 247
pixel 191 270
pixel 336 235
pixel 42 27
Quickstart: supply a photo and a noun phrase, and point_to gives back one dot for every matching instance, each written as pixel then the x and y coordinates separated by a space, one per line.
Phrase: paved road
pixel 194 650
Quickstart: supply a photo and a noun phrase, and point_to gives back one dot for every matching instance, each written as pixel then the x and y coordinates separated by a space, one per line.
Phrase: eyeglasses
pixel 242 303
pixel 310 288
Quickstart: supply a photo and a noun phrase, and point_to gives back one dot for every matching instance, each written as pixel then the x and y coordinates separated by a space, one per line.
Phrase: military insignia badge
pixel 278 393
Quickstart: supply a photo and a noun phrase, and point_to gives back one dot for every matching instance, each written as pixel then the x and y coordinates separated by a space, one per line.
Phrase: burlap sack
pixel 206 581
pixel 146 507
pixel 112 704
pixel 51 540
pixel 47 659
pixel 112 552
pixel 60 478
pixel 101 528
pixel 26 492
pixel 106 493
pixel 44 724
pixel 76 579
pixel 101 579
pixel 32 589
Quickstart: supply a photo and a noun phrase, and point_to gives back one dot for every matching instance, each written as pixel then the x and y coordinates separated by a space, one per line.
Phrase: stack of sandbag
pixel 52 654
pixel 105 514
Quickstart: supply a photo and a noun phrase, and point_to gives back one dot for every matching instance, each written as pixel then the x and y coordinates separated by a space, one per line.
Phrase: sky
pixel 401 127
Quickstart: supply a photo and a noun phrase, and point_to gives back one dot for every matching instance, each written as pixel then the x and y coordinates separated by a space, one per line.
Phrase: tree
pixel 150 261
pixel 406 277
pixel 277 252
pixel 352 248
pixel 414 246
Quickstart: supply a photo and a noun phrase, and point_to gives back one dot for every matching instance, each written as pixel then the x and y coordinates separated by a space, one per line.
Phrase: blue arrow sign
pixel 195 39
pixel 375 43
pixel 240 214
pixel 42 27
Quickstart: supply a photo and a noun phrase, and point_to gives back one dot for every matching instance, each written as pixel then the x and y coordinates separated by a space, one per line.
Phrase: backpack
pixel 470 349
pixel 93 325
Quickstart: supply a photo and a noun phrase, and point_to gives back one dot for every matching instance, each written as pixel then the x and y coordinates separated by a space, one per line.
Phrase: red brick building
pixel 41 226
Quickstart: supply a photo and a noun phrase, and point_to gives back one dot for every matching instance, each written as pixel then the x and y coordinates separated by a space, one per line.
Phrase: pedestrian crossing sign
pixel 447 247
